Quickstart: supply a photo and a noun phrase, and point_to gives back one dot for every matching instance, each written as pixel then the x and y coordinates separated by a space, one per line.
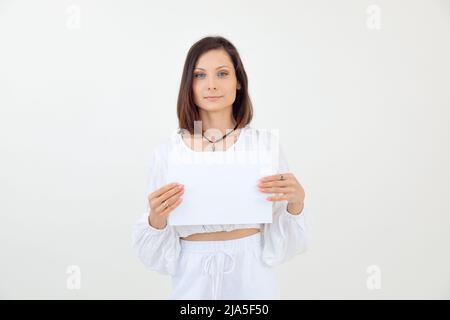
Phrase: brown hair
pixel 187 111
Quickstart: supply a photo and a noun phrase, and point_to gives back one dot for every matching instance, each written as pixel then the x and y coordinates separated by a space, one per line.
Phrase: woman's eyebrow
pixel 222 66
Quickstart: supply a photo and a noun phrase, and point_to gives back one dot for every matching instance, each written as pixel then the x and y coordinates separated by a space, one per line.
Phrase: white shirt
pixel 158 249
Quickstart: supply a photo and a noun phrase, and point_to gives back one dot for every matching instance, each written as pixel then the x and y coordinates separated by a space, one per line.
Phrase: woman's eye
pixel 201 75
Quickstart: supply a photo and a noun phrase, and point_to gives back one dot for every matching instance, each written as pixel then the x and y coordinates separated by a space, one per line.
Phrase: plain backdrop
pixel 359 91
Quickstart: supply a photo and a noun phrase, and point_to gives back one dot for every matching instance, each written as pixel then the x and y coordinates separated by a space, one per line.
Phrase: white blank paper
pixel 218 192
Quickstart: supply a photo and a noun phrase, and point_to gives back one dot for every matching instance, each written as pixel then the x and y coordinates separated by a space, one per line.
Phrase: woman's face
pixel 214 75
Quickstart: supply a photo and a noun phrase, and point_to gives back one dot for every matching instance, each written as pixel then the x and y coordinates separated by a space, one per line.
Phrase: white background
pixel 88 88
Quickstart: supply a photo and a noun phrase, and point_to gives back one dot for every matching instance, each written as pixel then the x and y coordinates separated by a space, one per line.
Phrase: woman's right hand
pixel 171 193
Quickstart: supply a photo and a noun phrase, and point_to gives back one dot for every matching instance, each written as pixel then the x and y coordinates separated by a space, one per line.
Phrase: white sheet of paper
pixel 220 188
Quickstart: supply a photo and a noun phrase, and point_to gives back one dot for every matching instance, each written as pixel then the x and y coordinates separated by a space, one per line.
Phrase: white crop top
pixel 158 249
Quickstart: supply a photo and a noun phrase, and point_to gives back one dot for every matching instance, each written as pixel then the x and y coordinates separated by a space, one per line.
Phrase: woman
pixel 218 261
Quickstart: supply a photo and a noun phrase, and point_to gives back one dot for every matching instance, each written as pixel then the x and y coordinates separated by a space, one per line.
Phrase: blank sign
pixel 220 188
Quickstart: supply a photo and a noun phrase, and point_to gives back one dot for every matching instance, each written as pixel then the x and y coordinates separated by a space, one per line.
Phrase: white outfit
pixel 220 269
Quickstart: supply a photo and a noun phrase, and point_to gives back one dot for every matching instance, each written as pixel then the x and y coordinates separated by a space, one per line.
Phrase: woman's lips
pixel 213 98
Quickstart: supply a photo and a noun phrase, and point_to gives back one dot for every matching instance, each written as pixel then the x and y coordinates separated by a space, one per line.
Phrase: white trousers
pixel 229 269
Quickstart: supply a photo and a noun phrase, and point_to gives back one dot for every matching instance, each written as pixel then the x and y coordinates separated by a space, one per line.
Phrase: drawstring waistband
pixel 214 266
pixel 220 257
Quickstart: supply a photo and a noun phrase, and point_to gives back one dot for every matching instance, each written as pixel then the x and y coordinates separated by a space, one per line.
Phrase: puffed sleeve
pixel 288 234
pixel 157 249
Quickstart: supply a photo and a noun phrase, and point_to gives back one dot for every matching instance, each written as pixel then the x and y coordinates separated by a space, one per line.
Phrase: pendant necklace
pixel 214 141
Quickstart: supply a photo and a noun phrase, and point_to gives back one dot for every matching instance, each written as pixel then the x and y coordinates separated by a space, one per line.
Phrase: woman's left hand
pixel 288 187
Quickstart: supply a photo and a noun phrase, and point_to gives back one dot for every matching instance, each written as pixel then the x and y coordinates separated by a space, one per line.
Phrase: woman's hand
pixel 289 189
pixel 170 195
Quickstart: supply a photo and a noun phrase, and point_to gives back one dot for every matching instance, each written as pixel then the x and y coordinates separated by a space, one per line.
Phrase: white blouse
pixel 158 249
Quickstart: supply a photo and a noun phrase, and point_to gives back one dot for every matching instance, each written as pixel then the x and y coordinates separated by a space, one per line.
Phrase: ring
pixel 281 177
pixel 165 204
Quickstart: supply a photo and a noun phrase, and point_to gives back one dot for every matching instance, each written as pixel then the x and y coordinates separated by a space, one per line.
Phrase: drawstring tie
pixel 214 266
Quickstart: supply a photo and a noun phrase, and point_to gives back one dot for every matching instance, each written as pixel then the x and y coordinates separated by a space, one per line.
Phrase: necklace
pixel 214 141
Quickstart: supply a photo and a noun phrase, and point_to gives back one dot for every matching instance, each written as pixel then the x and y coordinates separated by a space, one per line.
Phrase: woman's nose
pixel 211 85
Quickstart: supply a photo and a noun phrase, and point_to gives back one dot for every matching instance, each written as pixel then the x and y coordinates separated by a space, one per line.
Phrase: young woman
pixel 218 261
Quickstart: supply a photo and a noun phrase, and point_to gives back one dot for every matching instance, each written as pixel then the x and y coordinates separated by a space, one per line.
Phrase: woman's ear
pixel 238 87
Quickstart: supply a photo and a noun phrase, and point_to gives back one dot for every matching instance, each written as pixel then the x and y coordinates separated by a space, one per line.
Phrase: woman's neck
pixel 218 121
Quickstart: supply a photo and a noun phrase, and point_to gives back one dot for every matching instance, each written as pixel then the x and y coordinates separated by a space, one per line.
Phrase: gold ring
pixel 165 204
